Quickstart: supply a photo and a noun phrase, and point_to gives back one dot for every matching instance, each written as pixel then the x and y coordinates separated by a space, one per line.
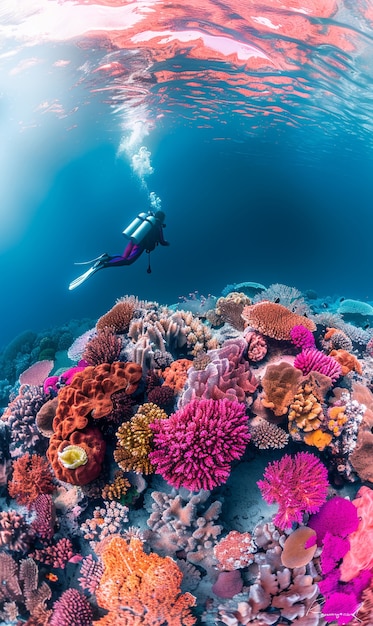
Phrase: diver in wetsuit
pixel 145 233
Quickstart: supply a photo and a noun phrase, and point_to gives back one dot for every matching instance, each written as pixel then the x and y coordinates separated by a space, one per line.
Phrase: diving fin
pixel 99 258
pixel 81 279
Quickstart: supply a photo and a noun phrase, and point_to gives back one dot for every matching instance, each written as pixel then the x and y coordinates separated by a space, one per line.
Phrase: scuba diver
pixel 145 232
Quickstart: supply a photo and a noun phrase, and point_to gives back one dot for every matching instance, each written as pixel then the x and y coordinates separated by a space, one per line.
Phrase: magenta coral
pixel 72 609
pixel 302 337
pixel 334 549
pixel 298 484
pixel 313 360
pixel 194 447
pixel 337 515
pixel 340 607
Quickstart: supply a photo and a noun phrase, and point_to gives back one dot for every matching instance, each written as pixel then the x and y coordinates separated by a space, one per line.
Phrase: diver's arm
pixel 162 240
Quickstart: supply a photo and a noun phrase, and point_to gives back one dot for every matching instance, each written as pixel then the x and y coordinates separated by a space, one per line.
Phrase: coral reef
pixel 194 402
pixel 195 446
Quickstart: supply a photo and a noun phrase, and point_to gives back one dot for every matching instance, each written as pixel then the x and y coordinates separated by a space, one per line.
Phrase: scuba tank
pixel 134 224
pixel 140 227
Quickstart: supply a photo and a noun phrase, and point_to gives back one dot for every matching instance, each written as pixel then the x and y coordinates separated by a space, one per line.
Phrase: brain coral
pixel 87 397
pixel 274 320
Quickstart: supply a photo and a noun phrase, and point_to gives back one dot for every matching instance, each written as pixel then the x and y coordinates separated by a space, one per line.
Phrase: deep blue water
pixel 247 197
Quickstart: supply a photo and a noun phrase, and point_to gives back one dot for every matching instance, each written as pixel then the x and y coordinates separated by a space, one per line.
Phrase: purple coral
pixel 72 609
pixel 90 574
pixel 298 484
pixel 302 337
pixel 313 360
pixel 194 447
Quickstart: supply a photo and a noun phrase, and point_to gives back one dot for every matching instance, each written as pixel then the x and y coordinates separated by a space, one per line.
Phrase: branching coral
pixel 117 489
pixel 298 484
pixel 277 595
pixel 267 436
pixel 20 417
pixel 274 320
pixel 72 609
pixel 105 347
pixel 135 439
pixel 15 533
pixel 229 308
pixel 120 315
pixel 185 522
pixel 145 585
pixel 31 477
pixel 313 360
pixel 195 446
pixel 109 519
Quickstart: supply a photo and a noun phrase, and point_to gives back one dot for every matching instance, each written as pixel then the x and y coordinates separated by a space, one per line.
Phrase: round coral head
pixel 295 553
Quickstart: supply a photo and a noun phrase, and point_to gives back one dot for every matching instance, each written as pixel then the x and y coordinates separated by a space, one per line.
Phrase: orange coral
pixel 88 396
pixel 120 315
pixel 234 551
pixel 318 438
pixel 347 361
pixel 280 383
pixel 274 320
pixel 176 374
pixel 139 588
pixel 31 477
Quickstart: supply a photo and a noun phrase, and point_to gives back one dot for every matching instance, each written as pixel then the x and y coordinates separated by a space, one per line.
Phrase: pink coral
pixel 55 555
pixel 233 551
pixel 194 447
pixel 302 337
pixel 357 559
pixel 298 484
pixel 228 375
pixel 43 524
pixel 256 345
pixel 36 373
pixel 313 360
pixel 228 584
pixel 72 609
pixel 337 515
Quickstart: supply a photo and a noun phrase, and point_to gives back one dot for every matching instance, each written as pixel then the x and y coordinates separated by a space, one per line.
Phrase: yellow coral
pixel 116 489
pixel 305 410
pixel 337 419
pixel 318 438
pixel 72 457
pixel 135 439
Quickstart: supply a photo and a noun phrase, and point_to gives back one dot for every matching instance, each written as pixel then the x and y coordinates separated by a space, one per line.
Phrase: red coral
pixel 89 395
pixel 31 477
pixel 298 484
pixel 194 447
